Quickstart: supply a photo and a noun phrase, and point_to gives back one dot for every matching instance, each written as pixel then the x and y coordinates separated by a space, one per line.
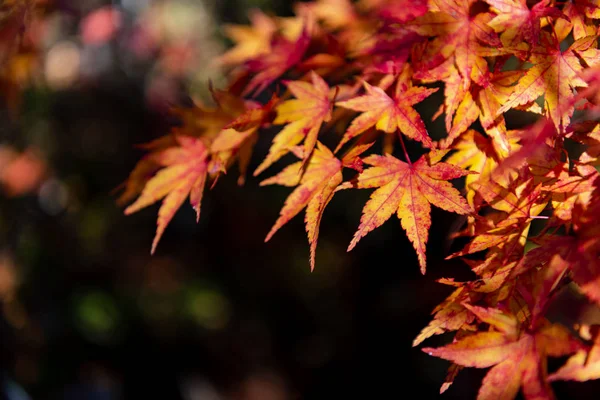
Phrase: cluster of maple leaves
pixel 357 70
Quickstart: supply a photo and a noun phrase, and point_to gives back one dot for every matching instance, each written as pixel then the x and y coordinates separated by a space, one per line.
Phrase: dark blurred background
pixel 216 313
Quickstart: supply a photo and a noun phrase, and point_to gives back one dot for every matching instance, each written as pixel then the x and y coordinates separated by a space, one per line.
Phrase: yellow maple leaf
pixel 250 41
pixel 303 115
pixel 555 74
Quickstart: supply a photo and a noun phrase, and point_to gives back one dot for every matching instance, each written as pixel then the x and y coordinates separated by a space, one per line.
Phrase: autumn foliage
pixel 353 74
pixel 357 70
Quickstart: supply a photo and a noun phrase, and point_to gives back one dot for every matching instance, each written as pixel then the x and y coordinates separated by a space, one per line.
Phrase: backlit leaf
pixel 184 173
pixel 407 190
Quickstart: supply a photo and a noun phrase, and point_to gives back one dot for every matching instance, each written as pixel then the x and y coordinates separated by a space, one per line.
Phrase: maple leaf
pixel 575 254
pixel 583 365
pixel 208 121
pixel 453 313
pixel 517 22
pixel 533 143
pixel 580 15
pixel 506 233
pixel 489 99
pixel 560 255
pixel 229 131
pixel 519 201
pixel 284 54
pixel 303 115
pixel 146 167
pixel 570 188
pixel 251 41
pixel 184 173
pixel 484 103
pixel 335 14
pixel 454 93
pixel 388 51
pixel 490 56
pixel 476 153
pixel 315 189
pixel 549 267
pixel 584 261
pixel 467 112
pixel 388 114
pixel 588 134
pixel 408 190
pixel 555 74
pixel 450 315
pixel 518 362
pixel 453 371
pixel 464 105
pixel 237 138
pixel 461 36
pixel 141 173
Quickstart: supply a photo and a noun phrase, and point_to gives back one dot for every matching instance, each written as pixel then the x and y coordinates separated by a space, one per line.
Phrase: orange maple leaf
pixel 303 115
pixel 408 190
pixel 518 360
pixel 184 173
pixel 315 189
pixel 453 313
pixel 388 114
pixel 450 315
pixel 218 126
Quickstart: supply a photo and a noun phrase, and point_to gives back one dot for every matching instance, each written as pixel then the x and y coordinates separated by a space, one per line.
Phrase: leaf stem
pixel 404 149
pixel 538 217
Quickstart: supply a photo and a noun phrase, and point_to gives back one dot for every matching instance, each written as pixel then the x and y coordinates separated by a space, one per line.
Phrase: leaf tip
pixel 351 245
pixel 271 233
pixel 129 210
pixel 259 169
pixel 154 245
pixel 445 387
pixel 428 350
